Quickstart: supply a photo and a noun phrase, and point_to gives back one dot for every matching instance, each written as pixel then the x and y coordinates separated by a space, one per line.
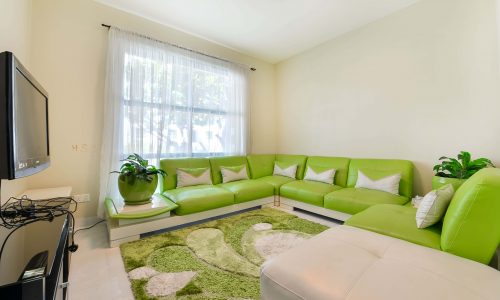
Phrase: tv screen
pixel 24 121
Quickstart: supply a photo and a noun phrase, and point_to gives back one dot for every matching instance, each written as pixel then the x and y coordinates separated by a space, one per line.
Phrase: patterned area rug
pixel 219 259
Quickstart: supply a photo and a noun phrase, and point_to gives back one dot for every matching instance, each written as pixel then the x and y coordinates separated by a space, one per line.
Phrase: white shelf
pixel 47 193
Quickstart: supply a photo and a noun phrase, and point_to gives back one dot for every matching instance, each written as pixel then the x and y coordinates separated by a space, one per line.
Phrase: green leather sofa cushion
pixel 323 163
pixel 275 181
pixel 171 165
pixel 396 221
pixel 247 190
pixel 353 200
pixel 261 165
pixel 225 161
pixel 379 168
pixel 288 160
pixel 471 226
pixel 193 199
pixel 310 192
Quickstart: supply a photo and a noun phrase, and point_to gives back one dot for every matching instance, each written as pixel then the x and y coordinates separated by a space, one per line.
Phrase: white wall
pixel 15 36
pixel 415 85
pixel 69 47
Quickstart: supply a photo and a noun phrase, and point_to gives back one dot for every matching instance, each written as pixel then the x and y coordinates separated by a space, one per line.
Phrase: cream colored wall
pixel 15 36
pixel 69 47
pixel 415 85
pixel 15 28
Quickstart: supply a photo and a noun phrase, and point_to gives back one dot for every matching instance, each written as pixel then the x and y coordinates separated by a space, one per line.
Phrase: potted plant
pixel 456 171
pixel 138 180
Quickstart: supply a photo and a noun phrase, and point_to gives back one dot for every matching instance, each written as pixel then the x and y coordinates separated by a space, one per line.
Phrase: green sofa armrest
pixel 471 226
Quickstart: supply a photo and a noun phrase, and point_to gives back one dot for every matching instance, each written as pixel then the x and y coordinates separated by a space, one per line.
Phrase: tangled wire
pixel 19 212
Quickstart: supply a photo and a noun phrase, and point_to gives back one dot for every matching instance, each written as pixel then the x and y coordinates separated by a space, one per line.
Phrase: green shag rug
pixel 219 259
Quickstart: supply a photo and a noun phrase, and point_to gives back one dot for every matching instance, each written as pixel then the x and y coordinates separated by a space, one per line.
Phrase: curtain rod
pixel 187 49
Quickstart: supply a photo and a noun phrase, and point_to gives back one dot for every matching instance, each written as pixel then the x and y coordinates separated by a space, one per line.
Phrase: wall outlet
pixel 81 198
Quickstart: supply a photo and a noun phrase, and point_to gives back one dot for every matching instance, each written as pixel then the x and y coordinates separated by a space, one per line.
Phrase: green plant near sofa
pixel 456 171
pixel 138 180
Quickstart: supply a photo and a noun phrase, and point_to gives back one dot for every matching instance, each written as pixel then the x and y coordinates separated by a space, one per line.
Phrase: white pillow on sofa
pixel 289 171
pixel 388 184
pixel 325 176
pixel 233 173
pixel 433 206
pixel 189 177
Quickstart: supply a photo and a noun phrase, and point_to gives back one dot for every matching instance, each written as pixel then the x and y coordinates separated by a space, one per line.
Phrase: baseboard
pixel 82 222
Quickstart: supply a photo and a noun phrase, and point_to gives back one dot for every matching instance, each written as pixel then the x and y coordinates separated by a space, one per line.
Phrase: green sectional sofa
pixel 471 226
pixel 338 200
pixel 472 218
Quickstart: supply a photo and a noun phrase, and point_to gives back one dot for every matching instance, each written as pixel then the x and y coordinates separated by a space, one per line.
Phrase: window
pixel 162 101
pixel 180 108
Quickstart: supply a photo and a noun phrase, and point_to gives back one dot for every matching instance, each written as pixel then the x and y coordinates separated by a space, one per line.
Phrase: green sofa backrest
pixel 378 168
pixel 323 163
pixel 288 159
pixel 170 166
pixel 471 226
pixel 225 161
pixel 261 165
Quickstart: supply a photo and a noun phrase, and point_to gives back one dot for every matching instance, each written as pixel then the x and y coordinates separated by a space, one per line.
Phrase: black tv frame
pixel 8 65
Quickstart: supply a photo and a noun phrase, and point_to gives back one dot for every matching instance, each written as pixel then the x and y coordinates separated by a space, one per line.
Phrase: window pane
pixel 208 133
pixel 177 107
pixel 209 90
pixel 177 134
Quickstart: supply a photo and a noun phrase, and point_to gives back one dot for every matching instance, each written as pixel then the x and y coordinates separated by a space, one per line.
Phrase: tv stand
pixel 46 246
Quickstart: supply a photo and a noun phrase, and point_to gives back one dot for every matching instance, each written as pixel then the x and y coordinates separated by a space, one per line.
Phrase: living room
pixel 332 88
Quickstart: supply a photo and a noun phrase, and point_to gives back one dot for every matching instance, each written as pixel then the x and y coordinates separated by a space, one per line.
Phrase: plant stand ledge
pixel 127 214
pixel 128 222
pixel 121 216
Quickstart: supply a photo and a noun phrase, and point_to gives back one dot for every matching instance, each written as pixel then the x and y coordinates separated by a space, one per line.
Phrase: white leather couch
pixel 350 263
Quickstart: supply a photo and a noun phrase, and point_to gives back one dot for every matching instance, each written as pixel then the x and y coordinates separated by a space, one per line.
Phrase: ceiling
pixel 272 30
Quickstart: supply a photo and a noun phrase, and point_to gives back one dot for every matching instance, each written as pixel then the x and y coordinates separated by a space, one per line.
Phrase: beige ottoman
pixel 350 263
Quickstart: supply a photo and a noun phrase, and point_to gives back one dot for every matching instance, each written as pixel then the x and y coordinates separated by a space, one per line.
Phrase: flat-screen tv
pixel 24 121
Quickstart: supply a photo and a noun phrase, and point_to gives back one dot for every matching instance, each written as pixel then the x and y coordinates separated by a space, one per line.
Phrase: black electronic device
pixel 24 122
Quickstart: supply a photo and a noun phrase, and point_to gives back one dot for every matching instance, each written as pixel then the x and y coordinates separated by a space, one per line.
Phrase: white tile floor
pixel 97 271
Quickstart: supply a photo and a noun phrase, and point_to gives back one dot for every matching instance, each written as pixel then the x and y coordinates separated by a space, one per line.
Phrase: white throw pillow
pixel 433 206
pixel 288 171
pixel 325 176
pixel 232 174
pixel 388 184
pixel 189 177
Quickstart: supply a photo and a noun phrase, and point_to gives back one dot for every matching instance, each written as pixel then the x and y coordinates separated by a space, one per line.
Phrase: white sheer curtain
pixel 163 101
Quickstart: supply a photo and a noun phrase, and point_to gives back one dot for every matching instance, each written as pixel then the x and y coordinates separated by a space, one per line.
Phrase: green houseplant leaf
pixel 461 167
